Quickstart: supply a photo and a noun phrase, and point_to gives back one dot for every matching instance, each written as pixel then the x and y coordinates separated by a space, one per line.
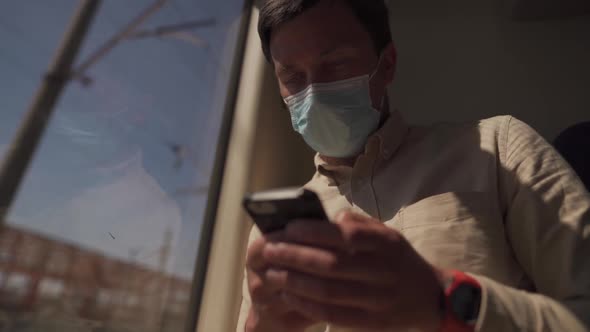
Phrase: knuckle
pixel 322 263
pixel 332 263
pixel 347 216
pixel 283 279
pixel 257 289
pixel 357 233
pixel 282 250
pixel 255 251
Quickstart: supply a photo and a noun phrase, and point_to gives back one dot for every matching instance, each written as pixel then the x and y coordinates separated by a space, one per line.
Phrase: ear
pixel 389 62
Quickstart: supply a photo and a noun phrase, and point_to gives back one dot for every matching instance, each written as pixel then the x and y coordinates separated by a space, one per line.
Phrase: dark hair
pixel 372 14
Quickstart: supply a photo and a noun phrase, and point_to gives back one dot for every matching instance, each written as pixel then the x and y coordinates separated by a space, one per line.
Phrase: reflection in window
pixel 104 232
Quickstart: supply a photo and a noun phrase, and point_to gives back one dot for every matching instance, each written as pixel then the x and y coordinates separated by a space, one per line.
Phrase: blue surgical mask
pixel 336 118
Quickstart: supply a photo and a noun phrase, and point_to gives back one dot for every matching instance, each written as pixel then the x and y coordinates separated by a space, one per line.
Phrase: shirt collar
pixel 388 138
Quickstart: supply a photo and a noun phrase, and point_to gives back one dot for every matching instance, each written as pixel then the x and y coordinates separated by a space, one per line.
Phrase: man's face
pixel 327 43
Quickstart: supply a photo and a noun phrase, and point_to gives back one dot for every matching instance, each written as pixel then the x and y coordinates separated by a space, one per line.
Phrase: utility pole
pixel 27 139
pixel 162 293
pixel 80 71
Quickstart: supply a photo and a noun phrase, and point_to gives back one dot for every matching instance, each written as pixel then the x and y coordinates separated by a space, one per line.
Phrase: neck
pixel 350 161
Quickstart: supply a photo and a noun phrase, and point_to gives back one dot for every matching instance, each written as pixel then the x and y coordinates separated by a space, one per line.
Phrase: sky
pixel 106 177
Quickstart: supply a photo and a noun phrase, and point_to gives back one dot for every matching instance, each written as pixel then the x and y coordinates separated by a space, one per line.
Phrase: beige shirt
pixel 490 198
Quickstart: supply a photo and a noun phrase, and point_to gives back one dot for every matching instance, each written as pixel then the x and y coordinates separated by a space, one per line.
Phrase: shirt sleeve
pixel 547 222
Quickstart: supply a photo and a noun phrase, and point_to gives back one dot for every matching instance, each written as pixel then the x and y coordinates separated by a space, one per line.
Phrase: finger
pixel 347 215
pixel 315 233
pixel 254 257
pixel 334 314
pixel 265 295
pixel 260 290
pixel 295 321
pixel 275 236
pixel 329 291
pixel 273 304
pixel 326 263
pixel 346 236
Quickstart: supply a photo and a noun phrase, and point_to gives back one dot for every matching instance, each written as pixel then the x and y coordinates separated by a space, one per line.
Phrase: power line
pixel 116 39
pixel 164 30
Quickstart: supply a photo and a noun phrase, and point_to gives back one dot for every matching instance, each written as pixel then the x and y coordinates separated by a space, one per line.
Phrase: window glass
pixel 104 231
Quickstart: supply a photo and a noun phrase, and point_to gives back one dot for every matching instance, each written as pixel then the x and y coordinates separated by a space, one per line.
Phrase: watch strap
pixel 450 322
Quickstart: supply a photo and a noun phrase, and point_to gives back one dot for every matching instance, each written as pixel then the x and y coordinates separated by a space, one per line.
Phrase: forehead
pixel 325 28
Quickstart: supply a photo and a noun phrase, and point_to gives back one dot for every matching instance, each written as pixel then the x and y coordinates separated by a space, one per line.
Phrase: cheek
pixel 284 92
pixel 288 91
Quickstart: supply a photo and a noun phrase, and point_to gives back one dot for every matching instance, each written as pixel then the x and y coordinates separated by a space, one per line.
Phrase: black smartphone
pixel 272 210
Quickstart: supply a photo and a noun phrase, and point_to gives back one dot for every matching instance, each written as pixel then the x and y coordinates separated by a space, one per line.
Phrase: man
pixel 475 227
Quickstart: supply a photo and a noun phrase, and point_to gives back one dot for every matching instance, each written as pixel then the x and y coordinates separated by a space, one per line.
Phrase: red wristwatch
pixel 460 303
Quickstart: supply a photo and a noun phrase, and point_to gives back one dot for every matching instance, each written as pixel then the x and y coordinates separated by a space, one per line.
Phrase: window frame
pixel 219 166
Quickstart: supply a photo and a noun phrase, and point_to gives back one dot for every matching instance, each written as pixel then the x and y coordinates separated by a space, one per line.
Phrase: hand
pixel 356 273
pixel 268 311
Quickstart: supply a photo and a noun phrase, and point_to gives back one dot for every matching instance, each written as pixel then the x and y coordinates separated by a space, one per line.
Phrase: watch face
pixel 465 301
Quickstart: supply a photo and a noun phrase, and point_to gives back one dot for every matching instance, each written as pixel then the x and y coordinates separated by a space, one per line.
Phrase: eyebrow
pixel 338 50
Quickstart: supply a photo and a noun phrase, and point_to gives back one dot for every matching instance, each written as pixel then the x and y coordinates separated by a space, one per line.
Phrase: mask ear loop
pixel 376 67
pixel 373 75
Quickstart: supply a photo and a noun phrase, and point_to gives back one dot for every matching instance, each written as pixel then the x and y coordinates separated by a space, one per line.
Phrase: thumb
pixel 347 215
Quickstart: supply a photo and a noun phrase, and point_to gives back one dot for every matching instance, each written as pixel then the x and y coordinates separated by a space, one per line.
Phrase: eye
pixel 339 63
